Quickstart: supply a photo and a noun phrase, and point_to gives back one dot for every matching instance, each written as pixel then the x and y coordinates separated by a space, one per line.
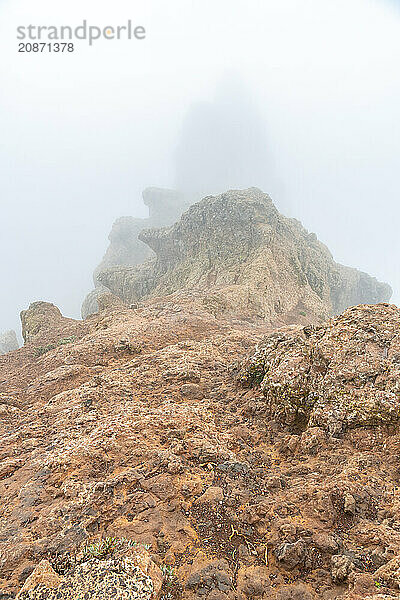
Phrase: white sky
pixel 82 134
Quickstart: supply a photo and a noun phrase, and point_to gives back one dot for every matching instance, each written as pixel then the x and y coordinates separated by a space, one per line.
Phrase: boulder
pixel 338 376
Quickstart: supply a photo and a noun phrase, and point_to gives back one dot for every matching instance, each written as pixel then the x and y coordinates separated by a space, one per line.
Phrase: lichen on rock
pixel 339 376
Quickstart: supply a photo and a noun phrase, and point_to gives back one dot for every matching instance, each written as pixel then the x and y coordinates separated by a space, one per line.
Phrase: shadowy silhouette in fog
pixel 223 144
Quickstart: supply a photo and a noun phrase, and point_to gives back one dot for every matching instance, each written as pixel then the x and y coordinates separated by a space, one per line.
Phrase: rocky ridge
pixel 247 259
pixel 205 435
pixel 166 428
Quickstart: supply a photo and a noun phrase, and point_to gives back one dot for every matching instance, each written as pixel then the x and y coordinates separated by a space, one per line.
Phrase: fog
pixel 298 97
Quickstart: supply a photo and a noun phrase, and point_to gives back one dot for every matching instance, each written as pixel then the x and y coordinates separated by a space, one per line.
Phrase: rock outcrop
pixel 174 446
pixel 336 377
pixel 247 259
pixel 8 342
pixel 165 207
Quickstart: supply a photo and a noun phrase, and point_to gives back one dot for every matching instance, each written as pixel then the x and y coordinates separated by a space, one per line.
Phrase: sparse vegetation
pixel 105 547
pixel 255 370
pixel 44 349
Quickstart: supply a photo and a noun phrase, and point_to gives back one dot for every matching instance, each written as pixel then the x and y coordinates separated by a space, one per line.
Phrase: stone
pixel 214 576
pixel 45 576
pixel 340 376
pixel 325 542
pixel 291 555
pixel 341 567
pixel 94 579
pixel 389 574
pixel 349 504
pixel 126 249
pixel 99 445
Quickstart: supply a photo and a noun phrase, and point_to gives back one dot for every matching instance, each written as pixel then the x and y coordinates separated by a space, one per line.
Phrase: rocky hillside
pixel 177 445
pixel 163 451
pixel 248 260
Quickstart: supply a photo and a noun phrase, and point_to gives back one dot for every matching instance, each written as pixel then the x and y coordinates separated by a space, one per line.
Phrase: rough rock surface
pixel 252 260
pixel 8 342
pixel 165 207
pixel 139 429
pixel 336 377
pixel 123 574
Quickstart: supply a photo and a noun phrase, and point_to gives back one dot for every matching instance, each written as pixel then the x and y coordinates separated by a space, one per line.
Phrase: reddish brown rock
pixel 98 441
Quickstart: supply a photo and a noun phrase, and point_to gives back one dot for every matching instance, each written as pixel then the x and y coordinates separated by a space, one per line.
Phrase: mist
pixel 299 98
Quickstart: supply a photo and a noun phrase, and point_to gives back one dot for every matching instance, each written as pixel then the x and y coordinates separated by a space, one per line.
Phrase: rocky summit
pixel 221 429
pixel 248 260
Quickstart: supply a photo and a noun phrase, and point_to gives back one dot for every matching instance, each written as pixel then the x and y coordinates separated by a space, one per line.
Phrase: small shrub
pixel 105 547
pixel 43 349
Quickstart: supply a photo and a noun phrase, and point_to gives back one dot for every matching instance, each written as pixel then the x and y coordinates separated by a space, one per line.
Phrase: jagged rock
pixel 43 577
pixel 98 441
pixel 40 315
pixel 90 305
pixel 247 259
pixel 8 342
pixel 291 554
pixel 341 567
pixel 43 323
pixel 126 249
pixel 126 573
pixel 389 574
pixel 339 376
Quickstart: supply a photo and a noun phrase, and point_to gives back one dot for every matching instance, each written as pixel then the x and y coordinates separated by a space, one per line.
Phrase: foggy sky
pixel 82 134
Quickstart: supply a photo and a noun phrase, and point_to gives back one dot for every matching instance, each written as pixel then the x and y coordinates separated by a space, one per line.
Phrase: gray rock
pixel 90 305
pixel 8 342
pixel 126 249
pixel 247 259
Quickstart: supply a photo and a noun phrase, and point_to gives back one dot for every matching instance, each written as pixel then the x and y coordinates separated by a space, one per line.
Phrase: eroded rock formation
pixel 174 446
pixel 165 206
pixel 246 258
pixel 343 375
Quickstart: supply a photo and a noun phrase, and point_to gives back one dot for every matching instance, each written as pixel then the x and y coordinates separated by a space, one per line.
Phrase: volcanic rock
pixel 248 260
pixel 342 375
pixel 165 207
